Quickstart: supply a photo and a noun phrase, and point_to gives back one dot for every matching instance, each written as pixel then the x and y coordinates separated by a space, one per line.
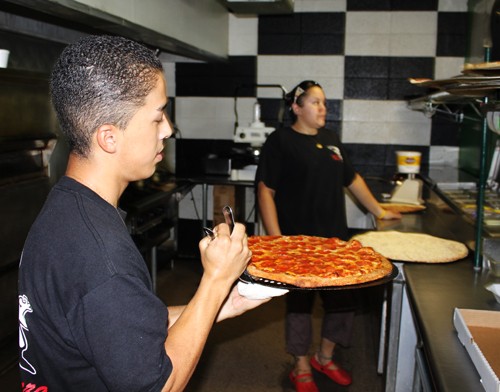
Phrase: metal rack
pixel 477 87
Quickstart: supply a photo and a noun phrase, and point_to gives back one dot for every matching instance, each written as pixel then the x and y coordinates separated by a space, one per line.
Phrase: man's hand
pixel 236 304
pixel 226 256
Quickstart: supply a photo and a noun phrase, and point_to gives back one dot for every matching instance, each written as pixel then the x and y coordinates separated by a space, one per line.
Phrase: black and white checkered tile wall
pixel 361 51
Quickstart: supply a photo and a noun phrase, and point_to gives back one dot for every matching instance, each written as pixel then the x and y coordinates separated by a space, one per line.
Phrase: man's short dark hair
pixel 100 80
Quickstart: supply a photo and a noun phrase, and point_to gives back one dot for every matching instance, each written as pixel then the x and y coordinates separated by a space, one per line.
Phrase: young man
pixel 88 318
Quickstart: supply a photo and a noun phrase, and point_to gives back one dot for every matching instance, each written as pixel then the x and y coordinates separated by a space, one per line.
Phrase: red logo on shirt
pixel 33 388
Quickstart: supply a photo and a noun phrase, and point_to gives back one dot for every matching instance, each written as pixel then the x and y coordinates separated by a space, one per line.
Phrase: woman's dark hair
pixel 297 95
pixel 100 80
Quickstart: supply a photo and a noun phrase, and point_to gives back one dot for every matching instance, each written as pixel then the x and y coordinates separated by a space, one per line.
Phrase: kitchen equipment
pixel 408 161
pixel 408 191
pixel 249 139
pixel 209 232
pixel 4 58
pixel 246 277
pixel 227 211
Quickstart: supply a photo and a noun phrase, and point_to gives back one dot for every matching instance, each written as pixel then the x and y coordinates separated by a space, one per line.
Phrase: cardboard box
pixel 479 332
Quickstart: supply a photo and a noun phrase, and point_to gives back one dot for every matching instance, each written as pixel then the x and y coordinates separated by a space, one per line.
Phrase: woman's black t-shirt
pixel 308 175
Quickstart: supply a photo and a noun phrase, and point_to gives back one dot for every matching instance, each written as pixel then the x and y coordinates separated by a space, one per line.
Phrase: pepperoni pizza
pixel 309 261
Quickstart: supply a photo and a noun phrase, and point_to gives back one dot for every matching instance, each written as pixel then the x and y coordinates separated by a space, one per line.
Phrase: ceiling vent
pixel 260 7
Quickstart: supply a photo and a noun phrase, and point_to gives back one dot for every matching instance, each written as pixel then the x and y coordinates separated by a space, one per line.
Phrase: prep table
pixel 423 350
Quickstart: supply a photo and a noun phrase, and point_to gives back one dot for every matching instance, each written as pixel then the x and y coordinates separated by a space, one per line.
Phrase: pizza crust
pixel 402 207
pixel 413 247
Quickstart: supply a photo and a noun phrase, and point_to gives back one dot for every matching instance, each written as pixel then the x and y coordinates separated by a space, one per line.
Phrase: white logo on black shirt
pixel 24 307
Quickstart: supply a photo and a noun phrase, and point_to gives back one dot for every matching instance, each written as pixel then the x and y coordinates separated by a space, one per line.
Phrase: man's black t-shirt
pixel 88 318
pixel 308 175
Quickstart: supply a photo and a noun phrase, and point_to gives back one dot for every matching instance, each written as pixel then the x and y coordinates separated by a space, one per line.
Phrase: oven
pixel 28 142
pixel 152 208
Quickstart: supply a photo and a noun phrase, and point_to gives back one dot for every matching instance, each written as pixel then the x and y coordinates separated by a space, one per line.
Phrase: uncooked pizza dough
pixel 413 247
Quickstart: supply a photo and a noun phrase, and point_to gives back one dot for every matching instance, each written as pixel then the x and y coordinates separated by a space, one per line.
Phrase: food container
pixel 479 332
pixel 408 161
pixel 4 58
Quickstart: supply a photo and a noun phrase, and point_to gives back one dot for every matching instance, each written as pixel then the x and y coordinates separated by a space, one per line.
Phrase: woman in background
pixel 302 172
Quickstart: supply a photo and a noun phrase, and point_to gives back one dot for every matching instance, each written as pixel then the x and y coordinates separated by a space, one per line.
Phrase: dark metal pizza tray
pixel 246 277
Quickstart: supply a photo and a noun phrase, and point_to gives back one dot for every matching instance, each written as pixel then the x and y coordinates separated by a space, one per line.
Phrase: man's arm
pixel 224 259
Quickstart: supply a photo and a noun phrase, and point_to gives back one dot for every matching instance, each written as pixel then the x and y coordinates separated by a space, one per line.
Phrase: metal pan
pixel 246 277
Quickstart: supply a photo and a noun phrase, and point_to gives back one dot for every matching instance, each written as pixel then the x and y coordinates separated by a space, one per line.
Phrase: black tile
pixel 323 23
pixel 405 67
pixel 414 5
pixel 495 31
pixel 452 34
pixel 302 33
pixel 368 159
pixel 216 79
pixel 365 88
pixel 402 89
pixel 366 66
pixel 368 5
pixel 336 126
pixel 279 44
pixel 335 108
pixel 272 110
pixel 280 24
pixel 392 5
pixel 444 131
pixel 319 44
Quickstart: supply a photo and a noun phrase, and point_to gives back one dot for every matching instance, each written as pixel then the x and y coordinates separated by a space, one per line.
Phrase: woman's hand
pixel 388 215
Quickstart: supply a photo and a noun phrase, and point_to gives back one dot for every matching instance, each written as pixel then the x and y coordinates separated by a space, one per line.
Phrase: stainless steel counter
pixel 420 333
pixel 434 292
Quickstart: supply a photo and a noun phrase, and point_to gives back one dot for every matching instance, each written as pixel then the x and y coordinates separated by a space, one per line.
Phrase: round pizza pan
pixel 246 277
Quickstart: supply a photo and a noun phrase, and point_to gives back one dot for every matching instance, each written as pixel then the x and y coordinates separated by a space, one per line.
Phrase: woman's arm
pixel 359 189
pixel 267 209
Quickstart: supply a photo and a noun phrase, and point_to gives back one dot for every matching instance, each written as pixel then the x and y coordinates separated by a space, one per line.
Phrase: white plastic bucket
pixel 4 58
pixel 408 161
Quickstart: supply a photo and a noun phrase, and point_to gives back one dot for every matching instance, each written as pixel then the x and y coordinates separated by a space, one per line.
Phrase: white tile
pixel 367 33
pixel 367 45
pixel 383 122
pixel 391 33
pixel 205 118
pixel 320 5
pixel 413 22
pixel 243 35
pixel 444 155
pixel 326 70
pixel 360 22
pixel 446 67
pixel 369 132
pixel 412 45
pixel 413 34
pixel 169 72
pixel 453 5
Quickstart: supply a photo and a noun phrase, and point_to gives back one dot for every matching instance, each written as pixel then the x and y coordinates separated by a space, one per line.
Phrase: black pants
pixel 337 321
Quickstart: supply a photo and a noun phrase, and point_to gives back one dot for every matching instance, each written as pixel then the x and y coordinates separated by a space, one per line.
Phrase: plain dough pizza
pixel 309 261
pixel 413 247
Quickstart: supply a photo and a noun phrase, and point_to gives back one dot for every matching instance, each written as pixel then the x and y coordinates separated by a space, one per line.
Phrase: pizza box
pixel 479 332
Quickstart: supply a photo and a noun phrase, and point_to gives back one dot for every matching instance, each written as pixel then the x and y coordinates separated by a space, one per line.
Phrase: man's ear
pixel 107 138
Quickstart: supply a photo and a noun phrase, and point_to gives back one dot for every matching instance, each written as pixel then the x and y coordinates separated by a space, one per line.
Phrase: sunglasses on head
pixel 301 90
